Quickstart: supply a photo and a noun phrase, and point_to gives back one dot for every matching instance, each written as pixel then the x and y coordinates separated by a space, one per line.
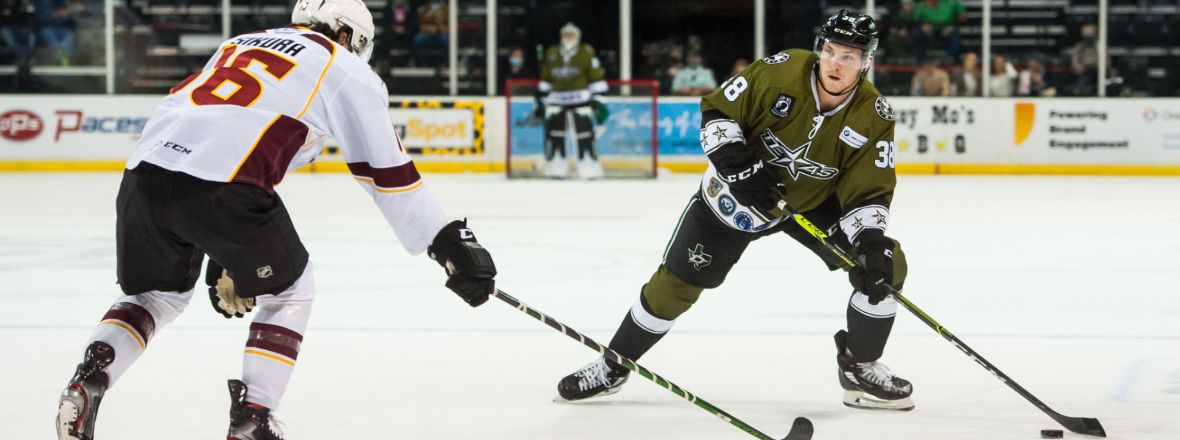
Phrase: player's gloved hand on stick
pixel 751 181
pixel 470 270
pixel 222 293
pixel 601 112
pixel 876 266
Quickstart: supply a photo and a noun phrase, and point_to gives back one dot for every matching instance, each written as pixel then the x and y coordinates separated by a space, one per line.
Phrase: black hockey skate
pixel 595 379
pixel 249 421
pixel 79 401
pixel 870 385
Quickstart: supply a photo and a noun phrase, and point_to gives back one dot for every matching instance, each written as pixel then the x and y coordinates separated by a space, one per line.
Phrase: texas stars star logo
pixel 795 160
pixel 719 132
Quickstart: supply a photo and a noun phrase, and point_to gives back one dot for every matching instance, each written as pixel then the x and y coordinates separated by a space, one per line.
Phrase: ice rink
pixel 1068 284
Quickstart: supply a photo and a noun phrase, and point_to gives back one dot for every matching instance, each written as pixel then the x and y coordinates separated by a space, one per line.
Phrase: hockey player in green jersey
pixel 571 80
pixel 806 127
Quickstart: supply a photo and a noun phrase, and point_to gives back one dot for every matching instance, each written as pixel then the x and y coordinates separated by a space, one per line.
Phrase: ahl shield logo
pixel 782 107
pixel 698 258
pixel 795 160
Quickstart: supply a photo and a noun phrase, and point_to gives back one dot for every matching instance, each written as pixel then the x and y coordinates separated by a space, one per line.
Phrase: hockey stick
pixel 1079 425
pixel 800 430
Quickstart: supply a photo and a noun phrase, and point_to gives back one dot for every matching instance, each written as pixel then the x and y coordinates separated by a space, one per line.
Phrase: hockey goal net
pixel 627 141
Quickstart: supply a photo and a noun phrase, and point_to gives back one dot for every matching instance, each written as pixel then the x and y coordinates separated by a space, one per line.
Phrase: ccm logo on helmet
pixel 20 125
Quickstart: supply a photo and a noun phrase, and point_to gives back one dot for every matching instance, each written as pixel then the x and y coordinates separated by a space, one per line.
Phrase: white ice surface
pixel 1070 285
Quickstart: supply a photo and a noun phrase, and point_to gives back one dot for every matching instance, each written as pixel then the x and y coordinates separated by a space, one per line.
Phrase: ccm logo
pixel 466 234
pixel 20 125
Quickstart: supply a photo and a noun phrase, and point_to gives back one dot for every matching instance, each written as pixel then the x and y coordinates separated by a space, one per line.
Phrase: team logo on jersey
pixel 714 187
pixel 265 272
pixel 782 106
pixel 698 258
pixel 777 58
pixel 743 221
pixel 727 205
pixel 852 138
pixel 884 110
pixel 795 160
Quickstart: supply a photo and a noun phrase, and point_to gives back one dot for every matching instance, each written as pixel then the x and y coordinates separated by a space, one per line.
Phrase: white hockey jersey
pixel 262 107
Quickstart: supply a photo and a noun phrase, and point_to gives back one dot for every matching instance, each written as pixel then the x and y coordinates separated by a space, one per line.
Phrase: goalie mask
pixel 571 36
pixel 337 15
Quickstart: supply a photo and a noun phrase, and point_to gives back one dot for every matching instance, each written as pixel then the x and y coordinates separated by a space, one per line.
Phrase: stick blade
pixel 800 430
pixel 1083 425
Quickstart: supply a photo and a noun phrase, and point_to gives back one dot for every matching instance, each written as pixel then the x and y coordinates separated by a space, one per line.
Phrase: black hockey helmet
pixel 850 29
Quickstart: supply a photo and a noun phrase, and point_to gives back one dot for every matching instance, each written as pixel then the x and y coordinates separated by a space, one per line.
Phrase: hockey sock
pixel 869 326
pixel 131 322
pixel 639 331
pixel 275 337
pixel 584 130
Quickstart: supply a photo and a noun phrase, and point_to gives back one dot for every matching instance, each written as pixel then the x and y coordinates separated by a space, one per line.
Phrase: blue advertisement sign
pixel 626 131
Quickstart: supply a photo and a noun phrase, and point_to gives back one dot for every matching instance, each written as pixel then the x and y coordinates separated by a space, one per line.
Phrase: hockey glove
pixel 222 294
pixel 470 270
pixel 875 271
pixel 601 112
pixel 751 181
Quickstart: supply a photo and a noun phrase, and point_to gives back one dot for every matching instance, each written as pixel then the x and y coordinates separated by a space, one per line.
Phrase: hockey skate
pixel 595 379
pixel 556 168
pixel 870 385
pixel 589 169
pixel 249 421
pixel 79 401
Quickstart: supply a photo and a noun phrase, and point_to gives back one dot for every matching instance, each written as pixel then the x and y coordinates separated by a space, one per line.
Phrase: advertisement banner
pixel 442 128
pixel 626 131
pixel 72 127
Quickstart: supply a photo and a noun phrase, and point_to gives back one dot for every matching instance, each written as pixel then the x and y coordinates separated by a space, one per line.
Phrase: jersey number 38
pixel 885 154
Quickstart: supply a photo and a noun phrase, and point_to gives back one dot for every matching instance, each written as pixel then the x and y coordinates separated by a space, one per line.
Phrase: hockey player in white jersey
pixel 201 182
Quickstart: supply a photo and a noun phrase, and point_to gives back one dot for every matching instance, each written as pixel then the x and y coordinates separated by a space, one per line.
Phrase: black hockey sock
pixel 586 149
pixel 632 340
pixel 867 334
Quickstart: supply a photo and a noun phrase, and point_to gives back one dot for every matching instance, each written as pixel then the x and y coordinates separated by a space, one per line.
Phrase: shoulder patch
pixel 776 58
pixel 852 138
pixel 884 110
pixel 782 106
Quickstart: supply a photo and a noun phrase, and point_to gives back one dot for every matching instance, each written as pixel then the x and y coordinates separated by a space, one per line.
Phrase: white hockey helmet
pixel 572 29
pixel 337 14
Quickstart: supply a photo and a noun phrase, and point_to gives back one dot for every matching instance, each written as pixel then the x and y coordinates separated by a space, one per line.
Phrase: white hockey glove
pixel 222 294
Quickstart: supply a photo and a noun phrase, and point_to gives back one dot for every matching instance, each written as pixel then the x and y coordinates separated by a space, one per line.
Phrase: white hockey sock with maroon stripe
pixel 273 344
pixel 131 322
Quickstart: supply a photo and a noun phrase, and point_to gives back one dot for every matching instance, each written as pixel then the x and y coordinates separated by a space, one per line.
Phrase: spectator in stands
pixel 433 37
pixel 738 66
pixel 1035 80
pixel 16 28
pixel 966 81
pixel 517 66
pixel 55 22
pixel 896 46
pixel 1084 60
pixel 930 80
pixel 693 79
pixel 1003 74
pixel 937 19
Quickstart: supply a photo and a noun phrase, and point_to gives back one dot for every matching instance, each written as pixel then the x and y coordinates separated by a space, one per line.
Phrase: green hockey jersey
pixel 847 152
pixel 571 77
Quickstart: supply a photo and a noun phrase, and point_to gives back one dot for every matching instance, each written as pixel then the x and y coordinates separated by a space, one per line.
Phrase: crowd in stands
pixel 31 27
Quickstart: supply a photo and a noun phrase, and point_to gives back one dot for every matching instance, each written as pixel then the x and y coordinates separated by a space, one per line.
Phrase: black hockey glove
pixel 222 293
pixel 751 181
pixel 470 270
pixel 876 266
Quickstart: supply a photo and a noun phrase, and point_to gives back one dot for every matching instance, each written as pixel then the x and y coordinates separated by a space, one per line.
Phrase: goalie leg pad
pixel 584 133
pixel 555 122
